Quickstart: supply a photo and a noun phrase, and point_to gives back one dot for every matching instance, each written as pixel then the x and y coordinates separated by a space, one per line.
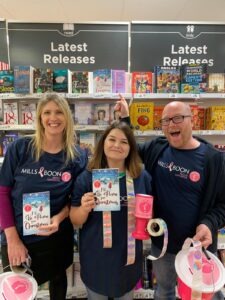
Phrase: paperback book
pixel 60 81
pixel 87 141
pixel 6 139
pixel 141 114
pixel 79 82
pixel 105 184
pixel 43 80
pixel 141 82
pixel 101 114
pixel 167 79
pixel 10 113
pixel 36 211
pixel 84 113
pixel 7 81
pixel 23 79
pixel 27 113
pixel 118 81
pixel 194 78
pixel 216 83
pixel 102 81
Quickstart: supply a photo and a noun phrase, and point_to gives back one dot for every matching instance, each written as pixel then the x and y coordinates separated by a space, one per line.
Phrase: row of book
pixel 84 113
pixel 147 116
pixel 144 115
pixel 191 78
pixel 86 140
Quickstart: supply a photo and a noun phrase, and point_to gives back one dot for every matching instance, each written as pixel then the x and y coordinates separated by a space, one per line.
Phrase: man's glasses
pixel 175 119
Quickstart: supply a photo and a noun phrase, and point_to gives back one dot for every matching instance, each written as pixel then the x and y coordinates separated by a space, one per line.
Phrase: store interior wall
pixel 76 11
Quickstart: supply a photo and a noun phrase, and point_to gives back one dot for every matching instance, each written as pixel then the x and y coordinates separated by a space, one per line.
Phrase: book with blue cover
pixel 7 81
pixel 23 79
pixel 36 211
pixel 105 185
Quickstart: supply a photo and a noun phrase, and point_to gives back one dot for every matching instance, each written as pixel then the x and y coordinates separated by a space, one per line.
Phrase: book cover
pixel 114 114
pixel 198 117
pixel 27 113
pixel 36 211
pixel 7 81
pixel 84 113
pixel 221 238
pixel 157 117
pixel 216 83
pixel 141 82
pixel 118 81
pixel 87 141
pixel 194 78
pixel 105 184
pixel 1 112
pixel 167 79
pixel 72 109
pixel 102 81
pixel 141 115
pixel 79 82
pixel 43 80
pixel 10 113
pixel 60 81
pixel 215 118
pixel 23 79
pixel 6 140
pixel 101 114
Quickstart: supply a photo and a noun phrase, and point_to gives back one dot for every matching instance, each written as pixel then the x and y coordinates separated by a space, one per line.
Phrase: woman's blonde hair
pixel 69 135
pixel 132 162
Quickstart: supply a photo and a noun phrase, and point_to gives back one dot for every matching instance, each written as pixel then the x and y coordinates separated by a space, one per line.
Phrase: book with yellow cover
pixel 141 114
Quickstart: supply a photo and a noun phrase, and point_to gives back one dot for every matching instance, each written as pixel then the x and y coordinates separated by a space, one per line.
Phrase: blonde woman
pixel 48 161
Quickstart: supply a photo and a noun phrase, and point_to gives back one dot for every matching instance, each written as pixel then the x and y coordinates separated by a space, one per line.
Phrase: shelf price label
pixel 174 96
pixel 195 96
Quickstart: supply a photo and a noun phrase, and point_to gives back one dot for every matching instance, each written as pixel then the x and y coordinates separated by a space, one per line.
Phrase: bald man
pixel 189 190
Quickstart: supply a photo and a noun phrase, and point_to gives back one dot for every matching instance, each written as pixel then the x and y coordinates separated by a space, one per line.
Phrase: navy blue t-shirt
pixel 104 270
pixel 178 182
pixel 23 174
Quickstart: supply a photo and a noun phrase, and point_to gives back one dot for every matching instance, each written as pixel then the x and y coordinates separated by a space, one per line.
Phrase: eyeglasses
pixel 175 119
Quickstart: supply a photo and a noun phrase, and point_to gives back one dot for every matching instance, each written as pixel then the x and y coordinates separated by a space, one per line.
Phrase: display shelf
pixel 21 127
pixel 147 96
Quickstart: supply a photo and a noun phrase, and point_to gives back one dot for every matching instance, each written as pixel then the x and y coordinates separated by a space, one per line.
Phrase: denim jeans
pixel 166 277
pixel 94 296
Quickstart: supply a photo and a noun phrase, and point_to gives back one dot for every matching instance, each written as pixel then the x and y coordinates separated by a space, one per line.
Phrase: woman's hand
pixel 88 202
pixel 17 252
pixel 53 227
pixel 122 106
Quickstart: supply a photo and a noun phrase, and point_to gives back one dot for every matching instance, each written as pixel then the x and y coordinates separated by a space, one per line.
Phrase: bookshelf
pixel 215 136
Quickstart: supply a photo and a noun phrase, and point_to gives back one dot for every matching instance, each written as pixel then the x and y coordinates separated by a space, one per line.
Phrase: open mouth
pixel 175 133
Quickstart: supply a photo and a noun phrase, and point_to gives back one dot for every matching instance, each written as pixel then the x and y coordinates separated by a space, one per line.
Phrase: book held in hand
pixel 36 211
pixel 105 185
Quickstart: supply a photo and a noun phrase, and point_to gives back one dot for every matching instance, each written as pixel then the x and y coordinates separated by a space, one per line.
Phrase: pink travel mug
pixel 143 212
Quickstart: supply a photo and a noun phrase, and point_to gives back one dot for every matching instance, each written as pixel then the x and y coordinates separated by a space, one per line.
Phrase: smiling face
pixel 116 147
pixel 178 135
pixel 53 119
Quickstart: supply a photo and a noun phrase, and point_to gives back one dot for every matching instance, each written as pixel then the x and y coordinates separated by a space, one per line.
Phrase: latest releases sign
pixel 83 47
pixel 177 44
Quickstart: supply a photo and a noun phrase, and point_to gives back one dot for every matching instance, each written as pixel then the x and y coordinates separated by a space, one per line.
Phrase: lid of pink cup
pixel 184 269
pixel 17 286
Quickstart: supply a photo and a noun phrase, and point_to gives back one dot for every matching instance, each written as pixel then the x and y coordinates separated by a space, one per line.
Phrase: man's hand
pixel 204 235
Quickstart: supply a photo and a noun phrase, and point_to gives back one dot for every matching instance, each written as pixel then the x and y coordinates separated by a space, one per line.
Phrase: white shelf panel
pixel 125 95
pixel 19 127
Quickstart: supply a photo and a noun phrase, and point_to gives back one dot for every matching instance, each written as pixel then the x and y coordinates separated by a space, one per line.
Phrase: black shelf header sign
pixel 3 43
pixel 81 47
pixel 176 44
